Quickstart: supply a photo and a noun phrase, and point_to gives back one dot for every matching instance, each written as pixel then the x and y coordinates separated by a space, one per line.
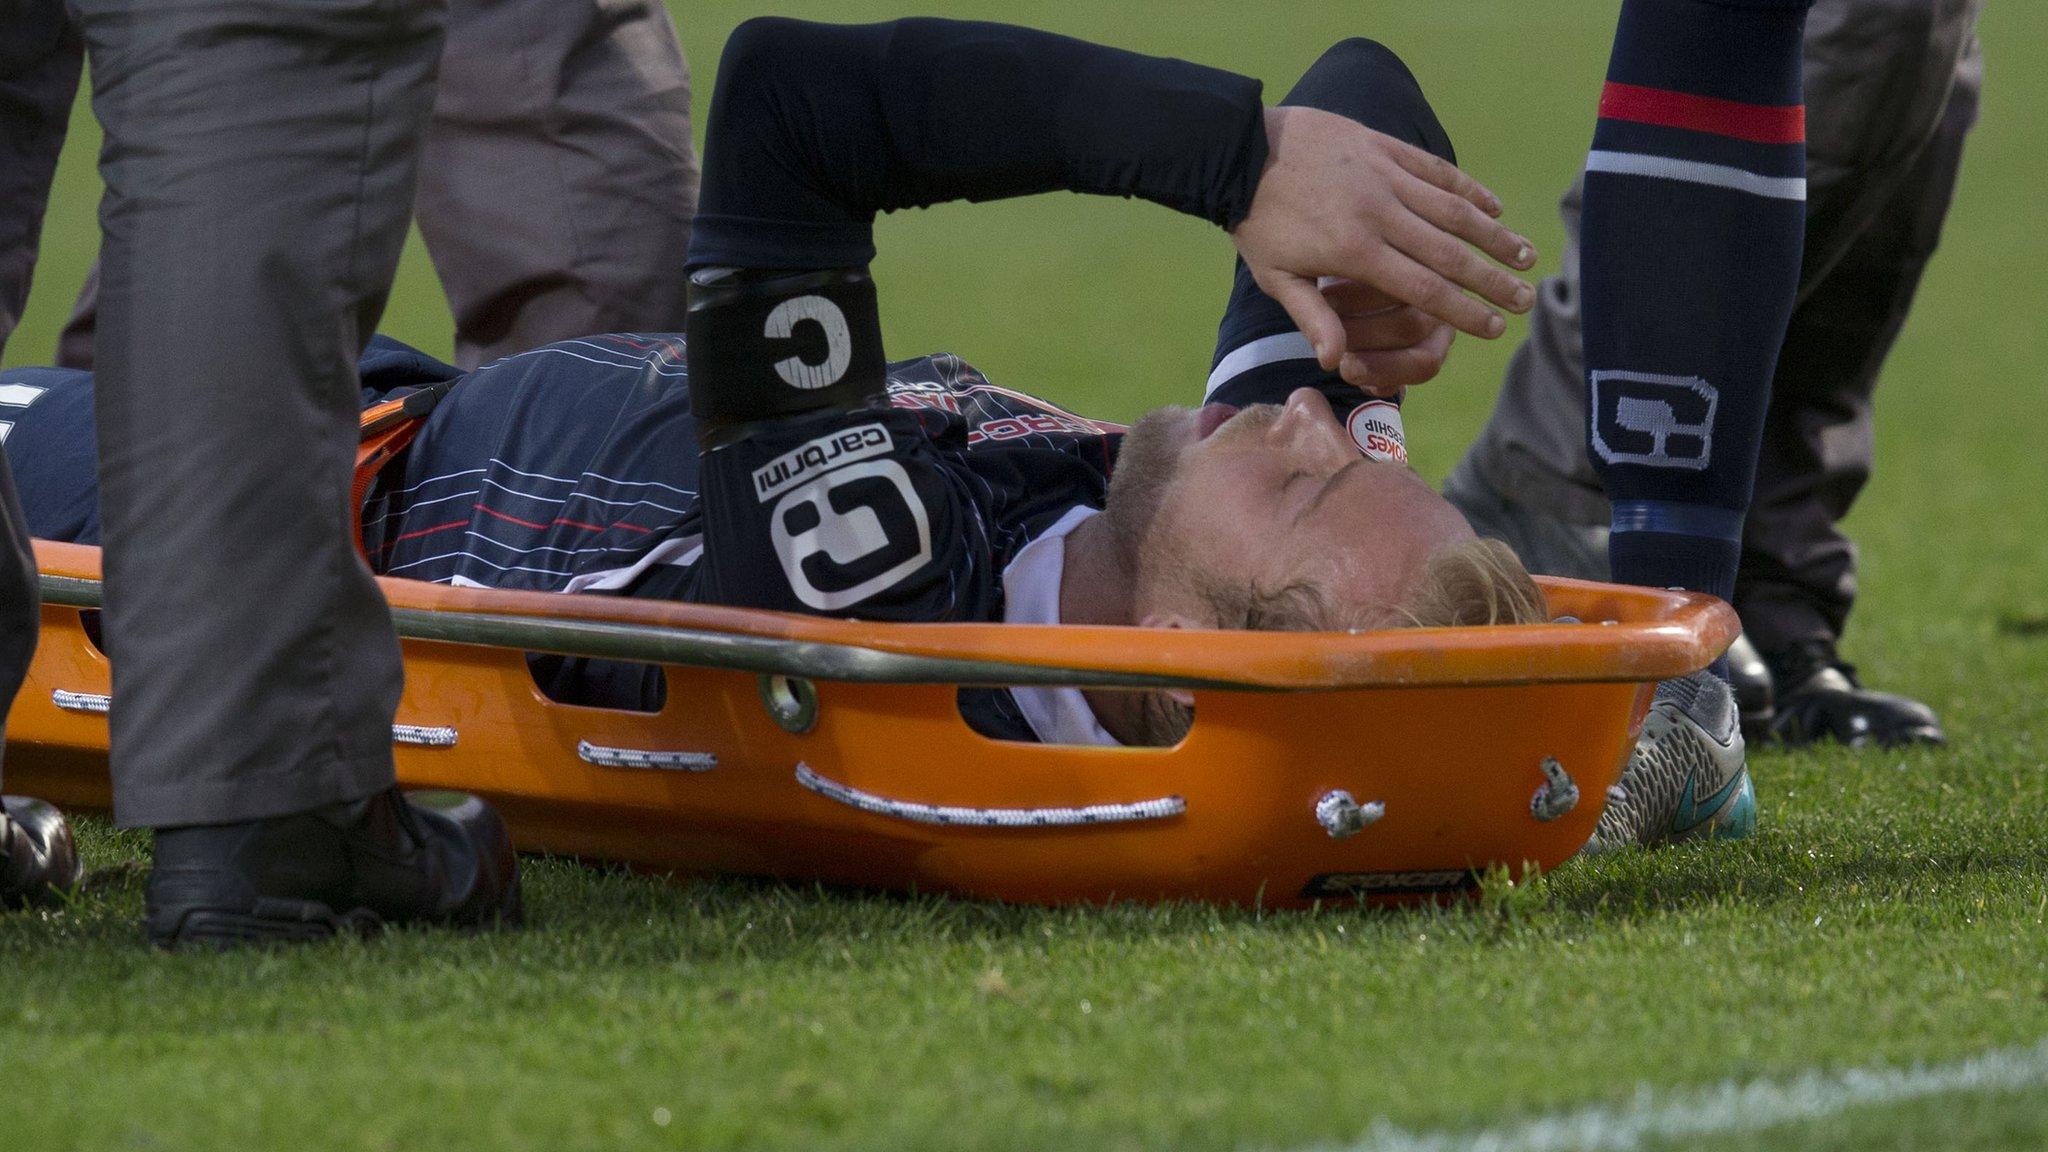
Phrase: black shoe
pixel 427 858
pixel 1825 701
pixel 39 861
pixel 1755 698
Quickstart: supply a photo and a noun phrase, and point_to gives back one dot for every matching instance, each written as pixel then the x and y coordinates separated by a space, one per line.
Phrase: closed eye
pixel 1328 488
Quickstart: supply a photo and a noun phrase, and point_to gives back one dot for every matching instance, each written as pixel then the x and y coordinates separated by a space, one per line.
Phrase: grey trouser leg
pixel 1881 76
pixel 260 165
pixel 1798 576
pixel 557 179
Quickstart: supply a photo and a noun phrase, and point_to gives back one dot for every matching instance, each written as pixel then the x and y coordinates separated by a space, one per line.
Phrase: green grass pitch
pixel 1888 914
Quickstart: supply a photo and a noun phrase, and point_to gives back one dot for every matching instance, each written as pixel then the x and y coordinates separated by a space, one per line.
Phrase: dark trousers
pixel 557 177
pixel 260 163
pixel 244 266
pixel 40 56
pixel 1891 92
pixel 18 600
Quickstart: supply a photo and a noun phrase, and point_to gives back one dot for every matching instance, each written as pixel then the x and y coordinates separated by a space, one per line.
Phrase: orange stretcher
pixel 1388 766
pixel 1385 766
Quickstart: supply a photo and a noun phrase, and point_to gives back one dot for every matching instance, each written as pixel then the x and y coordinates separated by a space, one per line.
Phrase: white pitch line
pixel 1725 1109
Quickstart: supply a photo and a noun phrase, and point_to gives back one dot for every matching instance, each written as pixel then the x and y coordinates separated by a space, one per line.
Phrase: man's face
pixel 1275 507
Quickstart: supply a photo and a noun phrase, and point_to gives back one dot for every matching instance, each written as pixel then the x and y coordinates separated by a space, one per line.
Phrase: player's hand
pixel 1388 345
pixel 1339 199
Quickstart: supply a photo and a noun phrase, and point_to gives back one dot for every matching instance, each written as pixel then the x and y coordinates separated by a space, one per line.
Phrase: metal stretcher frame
pixel 1388 766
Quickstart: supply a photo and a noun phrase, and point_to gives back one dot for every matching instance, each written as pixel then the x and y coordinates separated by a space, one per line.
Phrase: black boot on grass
pixel 426 858
pixel 39 861
pixel 1820 698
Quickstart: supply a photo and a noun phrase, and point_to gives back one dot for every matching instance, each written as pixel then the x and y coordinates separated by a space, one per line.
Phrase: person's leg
pixel 558 177
pixel 40 55
pixel 38 860
pixel 20 606
pixel 1798 578
pixel 259 165
pixel 1690 240
pixel 1690 248
pixel 1877 75
pixel 1260 356
pixel 40 58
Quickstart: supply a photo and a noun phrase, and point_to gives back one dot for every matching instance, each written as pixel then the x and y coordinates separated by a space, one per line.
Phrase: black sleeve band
pixel 765 345
pixel 815 127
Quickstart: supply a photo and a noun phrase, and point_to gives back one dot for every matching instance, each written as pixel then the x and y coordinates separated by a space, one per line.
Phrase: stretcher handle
pixel 1634 635
pixel 692 648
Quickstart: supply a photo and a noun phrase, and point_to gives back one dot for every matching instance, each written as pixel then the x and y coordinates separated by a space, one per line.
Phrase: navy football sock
pixel 1694 221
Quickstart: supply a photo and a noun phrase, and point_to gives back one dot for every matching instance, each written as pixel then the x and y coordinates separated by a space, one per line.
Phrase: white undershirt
pixel 1031 595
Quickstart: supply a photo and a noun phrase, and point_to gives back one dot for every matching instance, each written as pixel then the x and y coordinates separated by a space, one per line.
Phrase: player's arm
pixel 815 128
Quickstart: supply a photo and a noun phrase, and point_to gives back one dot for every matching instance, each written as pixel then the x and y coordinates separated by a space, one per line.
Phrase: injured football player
pixel 575 468
pixel 771 458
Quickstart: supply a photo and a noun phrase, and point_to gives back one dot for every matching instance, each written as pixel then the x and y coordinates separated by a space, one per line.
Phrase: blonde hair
pixel 1473 582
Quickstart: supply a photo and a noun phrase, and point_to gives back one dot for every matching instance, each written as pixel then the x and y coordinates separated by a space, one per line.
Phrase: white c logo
pixel 838 341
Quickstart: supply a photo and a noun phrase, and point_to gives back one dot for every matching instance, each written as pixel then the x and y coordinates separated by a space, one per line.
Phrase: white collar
pixel 1031 595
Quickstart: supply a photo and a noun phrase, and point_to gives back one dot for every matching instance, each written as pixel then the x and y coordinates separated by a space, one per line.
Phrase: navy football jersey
pixel 575 468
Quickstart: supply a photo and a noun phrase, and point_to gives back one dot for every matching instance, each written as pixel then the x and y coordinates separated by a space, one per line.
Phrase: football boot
pixel 1688 778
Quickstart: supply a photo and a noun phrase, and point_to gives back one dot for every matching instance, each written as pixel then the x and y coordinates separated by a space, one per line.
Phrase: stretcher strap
pixel 1166 807
pixel 90 703
pixel 101 704
pixel 423 735
pixel 666 761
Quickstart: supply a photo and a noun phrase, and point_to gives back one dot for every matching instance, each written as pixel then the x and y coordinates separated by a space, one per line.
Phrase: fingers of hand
pixel 1386 373
pixel 1384 330
pixel 1459 218
pixel 1453 260
pixel 1352 298
pixel 1425 288
pixel 1310 312
pixel 1444 175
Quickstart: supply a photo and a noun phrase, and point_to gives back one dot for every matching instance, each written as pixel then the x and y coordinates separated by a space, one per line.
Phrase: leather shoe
pixel 39 861
pixel 424 858
pixel 1827 702
pixel 1755 692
